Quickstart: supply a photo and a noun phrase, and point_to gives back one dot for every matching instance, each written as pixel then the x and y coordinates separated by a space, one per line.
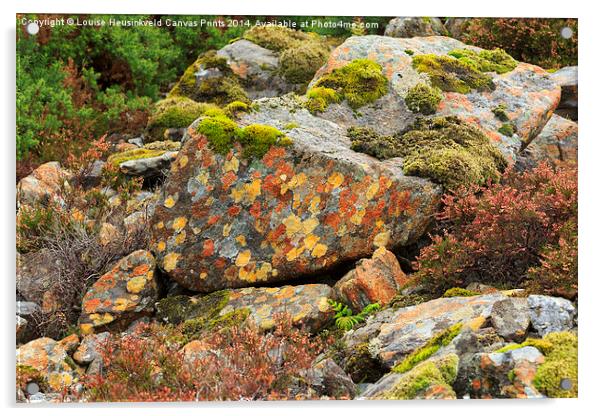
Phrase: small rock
pixel 27 308
pixel 122 295
pixel 510 318
pixel 148 167
pixel 550 314
pixel 327 378
pixel 375 280
pixel 43 185
pixel 138 141
pixel 21 328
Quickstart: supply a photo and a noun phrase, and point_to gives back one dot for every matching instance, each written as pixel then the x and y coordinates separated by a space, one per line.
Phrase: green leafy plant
pixel 344 317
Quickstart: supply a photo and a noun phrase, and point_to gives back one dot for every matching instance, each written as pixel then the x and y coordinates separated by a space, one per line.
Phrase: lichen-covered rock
pixel 510 318
pixel 48 361
pixel 148 167
pixel 89 352
pixel 43 185
pixel 409 27
pixel 375 280
pixel 228 220
pixel 431 379
pixel 558 141
pixel 328 379
pixel 567 78
pixel 505 374
pixel 529 93
pixel 122 295
pixel 257 307
pixel 550 314
pixel 257 67
pixel 392 335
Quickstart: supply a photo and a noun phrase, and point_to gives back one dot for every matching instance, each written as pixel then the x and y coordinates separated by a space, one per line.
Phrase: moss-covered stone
pixel 422 98
pixel 500 112
pixel 256 139
pixel 557 376
pixel 318 98
pixel 366 140
pixel 429 349
pixel 496 60
pixel 452 75
pixel 360 82
pixel 198 327
pixel 459 292
pixel 441 372
pixel 507 129
pixel 404 301
pixel 118 158
pixel 361 366
pixel 219 86
pixel 173 112
pixel 277 38
pixel 298 64
pixel 178 309
pixel 237 107
pixel 409 52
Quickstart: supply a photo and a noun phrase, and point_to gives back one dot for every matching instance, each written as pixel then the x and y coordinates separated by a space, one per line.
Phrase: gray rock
pixel 90 347
pixel 27 308
pixel 149 167
pixel 409 27
pixel 550 314
pixel 138 141
pixel 36 274
pixel 510 318
pixel 327 378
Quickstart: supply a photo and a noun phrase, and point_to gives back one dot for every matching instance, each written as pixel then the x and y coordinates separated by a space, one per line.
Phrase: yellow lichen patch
pixel 170 261
pixel 246 275
pixel 159 225
pixel 305 310
pixel 169 202
pixel 476 323
pixel 247 192
pixel 358 216
pixel 294 253
pixel 136 284
pixel 293 225
pixel 241 240
pixel 202 276
pixel 161 246
pixel 309 225
pixel 121 304
pixel 243 258
pixel 319 250
pixel 323 305
pixel 226 230
pixel 231 165
pixel 202 177
pixel 314 205
pixel 372 190
pixel 180 238
pixel 179 223
pixel 86 329
pixel 58 381
pixel 382 239
pixel 336 179
pixel 262 273
pixel 98 319
pixel 183 161
pixel 310 241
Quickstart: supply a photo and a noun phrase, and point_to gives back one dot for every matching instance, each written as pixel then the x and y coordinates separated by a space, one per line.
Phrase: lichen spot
pixel 243 258
pixel 241 240
pixel 372 190
pixel 319 250
pixel 136 284
pixel 293 225
pixel 161 246
pixel 183 161
pixel 382 239
pixel 323 305
pixel 169 202
pixel 170 261
pixel 336 180
pixel 179 223
pixel 231 165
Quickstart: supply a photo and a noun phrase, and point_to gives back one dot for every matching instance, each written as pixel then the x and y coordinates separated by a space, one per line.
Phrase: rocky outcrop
pixel 122 295
pixel 527 91
pixel 409 27
pixel 226 220
pixel 375 280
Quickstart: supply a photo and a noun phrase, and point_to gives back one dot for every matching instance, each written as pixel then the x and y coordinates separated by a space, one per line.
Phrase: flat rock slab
pixel 529 93
pixel 227 221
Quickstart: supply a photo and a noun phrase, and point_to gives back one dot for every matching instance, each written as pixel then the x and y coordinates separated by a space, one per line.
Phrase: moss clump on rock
pixel 459 292
pixel 429 349
pixel 256 139
pixel 360 82
pixel 366 140
pixel 237 107
pixel 216 84
pixel 361 366
pixel 174 112
pixel 423 98
pixel 166 145
pixel 507 129
pixel 496 60
pixel 198 327
pixel 440 372
pixel 276 38
pixel 117 159
pixel 560 368
pixel 500 112
pixel 452 75
pixel 299 63
pixel 177 309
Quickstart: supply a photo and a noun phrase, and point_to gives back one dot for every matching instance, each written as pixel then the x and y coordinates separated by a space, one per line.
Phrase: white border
pixel 590 138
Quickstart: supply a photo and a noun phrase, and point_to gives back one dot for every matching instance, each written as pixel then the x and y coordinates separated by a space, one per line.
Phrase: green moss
pixel 496 60
pixel 196 328
pixel 500 112
pixel 236 107
pixel 222 88
pixel 290 126
pixel 298 64
pixel 366 140
pixel 174 112
pixel 318 98
pixel 451 74
pixel 431 347
pixel 177 309
pixel 276 38
pixel 560 365
pixel 507 129
pixel 459 292
pixel 511 376
pixel 439 372
pixel 409 52
pixel 360 82
pixel 256 139
pixel 422 98
pixel 404 301
pixel 117 159
pixel 221 132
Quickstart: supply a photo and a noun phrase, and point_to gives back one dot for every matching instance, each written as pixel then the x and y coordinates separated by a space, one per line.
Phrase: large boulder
pixel 260 307
pixel 550 314
pixel 375 280
pixel 232 220
pixel 528 93
pixel 409 27
pixel 127 292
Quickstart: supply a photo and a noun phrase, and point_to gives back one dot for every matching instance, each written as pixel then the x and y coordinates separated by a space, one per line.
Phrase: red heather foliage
pixel 231 364
pixel 495 234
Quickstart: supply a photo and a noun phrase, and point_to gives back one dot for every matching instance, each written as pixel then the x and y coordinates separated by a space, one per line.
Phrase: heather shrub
pixel 536 41
pixel 501 234
pixel 237 363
